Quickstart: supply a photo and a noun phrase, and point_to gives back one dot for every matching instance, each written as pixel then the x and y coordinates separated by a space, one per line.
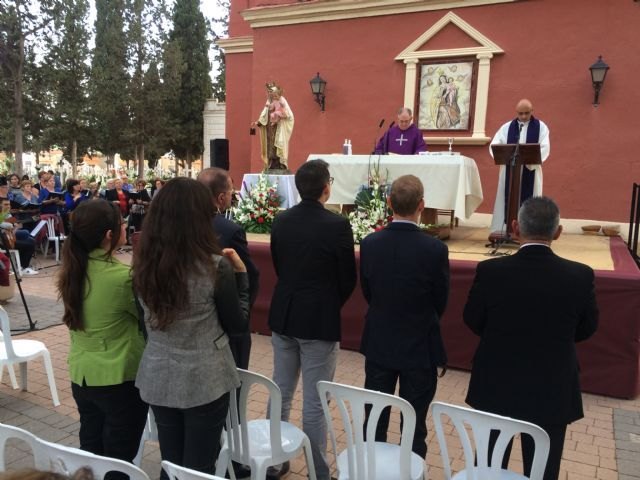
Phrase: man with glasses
pixel 313 256
pixel 525 128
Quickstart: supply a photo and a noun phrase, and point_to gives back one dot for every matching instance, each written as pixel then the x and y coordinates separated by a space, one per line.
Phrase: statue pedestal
pixel 278 171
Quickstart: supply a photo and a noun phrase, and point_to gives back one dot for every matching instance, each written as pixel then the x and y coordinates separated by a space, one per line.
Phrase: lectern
pixel 514 157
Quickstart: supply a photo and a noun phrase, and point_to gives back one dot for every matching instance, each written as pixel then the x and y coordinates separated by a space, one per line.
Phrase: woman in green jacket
pixel 106 343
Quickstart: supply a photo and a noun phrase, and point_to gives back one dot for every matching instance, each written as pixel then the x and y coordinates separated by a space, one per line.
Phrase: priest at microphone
pixel 402 137
pixel 525 128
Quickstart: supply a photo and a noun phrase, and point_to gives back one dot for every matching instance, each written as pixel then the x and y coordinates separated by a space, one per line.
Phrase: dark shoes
pixel 275 473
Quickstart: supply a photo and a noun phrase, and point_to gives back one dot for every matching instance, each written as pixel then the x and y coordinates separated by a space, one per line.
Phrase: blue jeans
pixel 190 437
pixel 316 360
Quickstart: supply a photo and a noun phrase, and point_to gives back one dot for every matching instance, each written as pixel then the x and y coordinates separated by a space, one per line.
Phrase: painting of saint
pixel 445 96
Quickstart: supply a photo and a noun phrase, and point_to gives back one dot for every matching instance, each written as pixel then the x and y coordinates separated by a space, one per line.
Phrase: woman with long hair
pixel 106 342
pixel 192 301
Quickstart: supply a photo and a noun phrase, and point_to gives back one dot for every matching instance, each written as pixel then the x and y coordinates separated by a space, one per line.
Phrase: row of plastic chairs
pixel 261 443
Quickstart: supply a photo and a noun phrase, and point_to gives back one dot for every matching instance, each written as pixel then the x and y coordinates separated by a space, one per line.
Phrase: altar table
pixel 451 181
pixel 286 187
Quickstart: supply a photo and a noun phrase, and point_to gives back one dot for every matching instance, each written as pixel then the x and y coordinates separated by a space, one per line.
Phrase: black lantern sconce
pixel 598 74
pixel 317 88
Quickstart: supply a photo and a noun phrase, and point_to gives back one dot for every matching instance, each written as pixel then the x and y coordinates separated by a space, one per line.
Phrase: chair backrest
pixel 51 227
pixel 181 473
pixel 5 326
pixel 351 402
pixel 237 433
pixel 8 432
pixel 67 460
pixel 481 424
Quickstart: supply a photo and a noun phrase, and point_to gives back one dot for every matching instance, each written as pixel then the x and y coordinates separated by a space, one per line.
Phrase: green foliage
pixel 220 30
pixel 68 73
pixel 187 78
pixel 109 82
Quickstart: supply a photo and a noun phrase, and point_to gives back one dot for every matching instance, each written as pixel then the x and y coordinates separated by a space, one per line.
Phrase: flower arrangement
pixel 257 208
pixel 371 213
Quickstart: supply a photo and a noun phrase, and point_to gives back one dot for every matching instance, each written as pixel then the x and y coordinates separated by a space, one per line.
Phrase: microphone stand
pixel 373 152
pixel 506 236
pixel 385 143
pixel 16 275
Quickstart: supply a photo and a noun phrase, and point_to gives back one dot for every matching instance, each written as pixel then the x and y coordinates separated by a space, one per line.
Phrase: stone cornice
pixel 236 45
pixel 324 11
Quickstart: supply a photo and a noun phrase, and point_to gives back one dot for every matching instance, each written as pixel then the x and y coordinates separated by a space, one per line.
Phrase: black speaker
pixel 219 153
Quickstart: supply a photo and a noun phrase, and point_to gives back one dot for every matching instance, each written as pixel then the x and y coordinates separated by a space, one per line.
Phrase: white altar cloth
pixel 286 187
pixel 451 181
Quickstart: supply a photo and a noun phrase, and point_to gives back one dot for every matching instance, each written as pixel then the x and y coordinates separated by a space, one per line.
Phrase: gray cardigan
pixel 190 363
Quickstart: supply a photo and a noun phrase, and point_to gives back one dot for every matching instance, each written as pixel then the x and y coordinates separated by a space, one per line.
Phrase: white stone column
pixel 482 94
pixel 410 82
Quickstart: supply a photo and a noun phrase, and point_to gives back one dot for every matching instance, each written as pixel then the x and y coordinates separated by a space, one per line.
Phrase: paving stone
pixel 629 467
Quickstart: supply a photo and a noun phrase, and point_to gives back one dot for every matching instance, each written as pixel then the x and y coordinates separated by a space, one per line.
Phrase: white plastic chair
pixel 370 460
pixel 150 433
pixel 22 351
pixel 182 473
pixel 264 442
pixel 481 424
pixel 9 432
pixel 54 235
pixel 67 460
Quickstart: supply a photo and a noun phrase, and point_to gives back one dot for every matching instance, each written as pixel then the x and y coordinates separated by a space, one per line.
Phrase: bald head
pixel 524 110
pixel 405 115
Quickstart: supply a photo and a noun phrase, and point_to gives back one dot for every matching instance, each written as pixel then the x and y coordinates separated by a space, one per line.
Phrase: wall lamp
pixel 317 89
pixel 598 74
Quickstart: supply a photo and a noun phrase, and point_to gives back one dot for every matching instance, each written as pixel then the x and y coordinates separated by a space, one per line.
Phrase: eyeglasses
pixel 330 180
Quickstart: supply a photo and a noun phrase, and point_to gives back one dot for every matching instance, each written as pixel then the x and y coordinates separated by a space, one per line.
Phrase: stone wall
pixel 214 127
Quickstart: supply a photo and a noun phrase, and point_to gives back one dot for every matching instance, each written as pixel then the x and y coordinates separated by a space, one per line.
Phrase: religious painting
pixel 445 95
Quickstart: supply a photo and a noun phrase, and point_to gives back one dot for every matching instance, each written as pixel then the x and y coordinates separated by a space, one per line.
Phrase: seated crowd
pixel 169 331
pixel 25 204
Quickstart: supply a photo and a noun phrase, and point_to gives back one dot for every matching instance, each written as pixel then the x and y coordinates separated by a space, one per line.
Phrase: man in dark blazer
pixel 313 256
pixel 231 235
pixel 529 310
pixel 404 274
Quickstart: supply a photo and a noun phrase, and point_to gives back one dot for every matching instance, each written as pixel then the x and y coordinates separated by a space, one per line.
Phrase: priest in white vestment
pixel 525 128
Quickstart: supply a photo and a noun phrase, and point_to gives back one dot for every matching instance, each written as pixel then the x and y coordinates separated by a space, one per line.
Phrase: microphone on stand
pixel 375 145
pixel 386 138
pixel 375 140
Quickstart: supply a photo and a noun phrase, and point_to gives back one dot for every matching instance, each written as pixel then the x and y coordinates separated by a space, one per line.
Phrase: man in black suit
pixel 529 309
pixel 231 235
pixel 404 275
pixel 313 255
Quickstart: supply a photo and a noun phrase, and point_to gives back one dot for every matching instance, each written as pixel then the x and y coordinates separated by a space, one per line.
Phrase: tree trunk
pixel 189 161
pixel 18 105
pixel 74 159
pixel 141 161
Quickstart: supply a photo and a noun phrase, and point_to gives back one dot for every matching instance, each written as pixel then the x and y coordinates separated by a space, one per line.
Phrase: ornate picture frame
pixel 446 95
